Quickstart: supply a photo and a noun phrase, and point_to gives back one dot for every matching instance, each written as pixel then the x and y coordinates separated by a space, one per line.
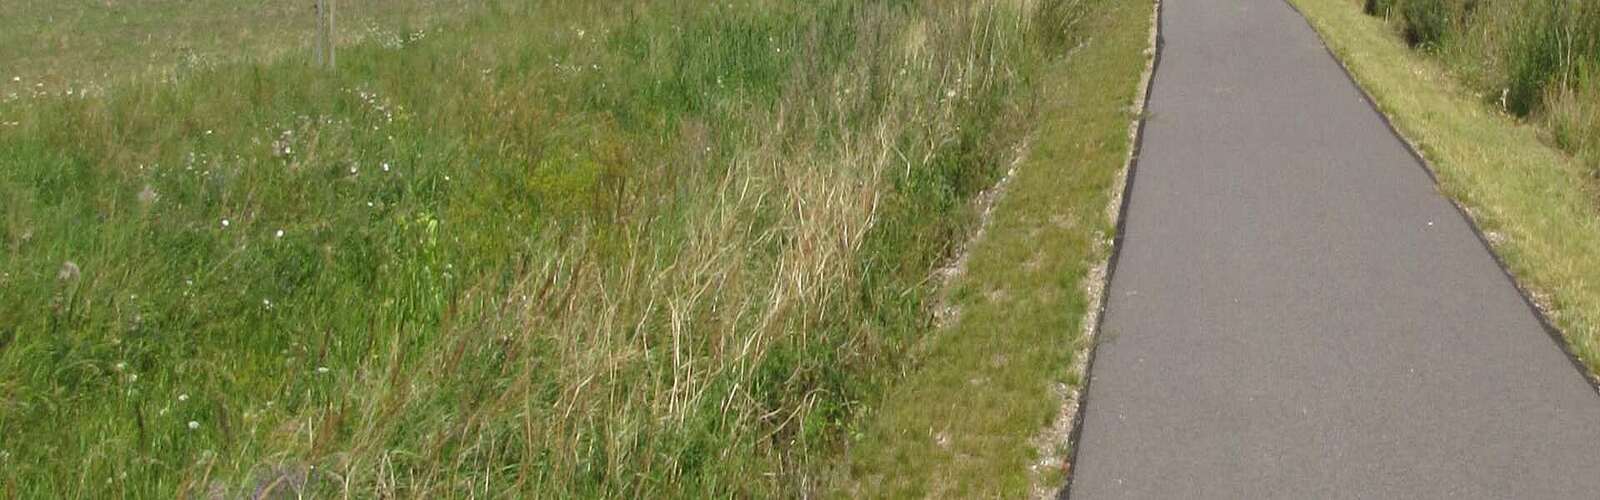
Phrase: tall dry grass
pixel 666 248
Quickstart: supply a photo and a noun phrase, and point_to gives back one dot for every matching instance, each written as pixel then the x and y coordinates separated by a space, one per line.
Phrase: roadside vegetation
pixel 1537 59
pixel 988 409
pixel 549 248
pixel 1538 205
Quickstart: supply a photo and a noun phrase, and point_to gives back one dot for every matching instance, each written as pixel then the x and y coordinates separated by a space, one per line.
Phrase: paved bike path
pixel 1297 312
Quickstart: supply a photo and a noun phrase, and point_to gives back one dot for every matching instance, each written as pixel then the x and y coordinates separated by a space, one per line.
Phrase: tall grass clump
pixel 661 248
pixel 1426 21
pixel 1553 43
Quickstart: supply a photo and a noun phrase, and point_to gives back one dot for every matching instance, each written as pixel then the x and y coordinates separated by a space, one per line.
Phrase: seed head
pixel 69 271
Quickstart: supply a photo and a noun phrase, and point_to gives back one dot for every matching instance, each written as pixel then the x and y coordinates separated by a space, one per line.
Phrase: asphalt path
pixel 1297 312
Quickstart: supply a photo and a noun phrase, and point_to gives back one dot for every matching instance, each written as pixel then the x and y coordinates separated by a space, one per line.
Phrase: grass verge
pixel 552 249
pixel 1538 59
pixel 980 415
pixel 1536 205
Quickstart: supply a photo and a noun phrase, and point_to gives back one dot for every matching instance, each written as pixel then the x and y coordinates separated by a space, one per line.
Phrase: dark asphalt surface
pixel 1298 313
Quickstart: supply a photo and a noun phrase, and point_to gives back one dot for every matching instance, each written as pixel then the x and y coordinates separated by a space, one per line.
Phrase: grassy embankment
pixel 1538 205
pixel 558 248
pixel 1538 59
pixel 988 410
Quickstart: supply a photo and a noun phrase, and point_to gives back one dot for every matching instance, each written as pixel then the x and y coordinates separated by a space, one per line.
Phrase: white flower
pixel 224 222
pixel 278 234
pixel 120 366
pixel 385 166
pixel 194 425
pixel 322 369
pixel 183 397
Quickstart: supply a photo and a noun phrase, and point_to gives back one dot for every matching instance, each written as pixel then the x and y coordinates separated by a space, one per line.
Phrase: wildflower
pixel 183 397
pixel 266 303
pixel 119 366
pixel 194 425
pixel 385 166
pixel 278 234
pixel 224 222
pixel 322 369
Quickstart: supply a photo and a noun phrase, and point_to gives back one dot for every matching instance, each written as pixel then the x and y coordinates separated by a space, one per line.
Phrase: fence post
pixel 333 41
pixel 319 8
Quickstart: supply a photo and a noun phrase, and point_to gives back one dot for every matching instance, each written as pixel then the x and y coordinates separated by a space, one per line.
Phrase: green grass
pixel 78 44
pixel 980 415
pixel 1427 21
pixel 1537 205
pixel 550 248
pixel 1537 58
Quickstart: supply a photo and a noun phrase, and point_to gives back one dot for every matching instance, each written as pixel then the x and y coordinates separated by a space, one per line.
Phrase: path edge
pixel 1427 166
pixel 1119 206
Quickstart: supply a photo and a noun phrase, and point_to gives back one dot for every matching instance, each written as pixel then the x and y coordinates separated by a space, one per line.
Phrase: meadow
pixel 548 248
pixel 53 46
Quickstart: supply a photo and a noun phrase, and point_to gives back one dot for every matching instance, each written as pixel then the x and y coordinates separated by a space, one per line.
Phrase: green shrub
pixel 1554 39
pixel 1426 21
